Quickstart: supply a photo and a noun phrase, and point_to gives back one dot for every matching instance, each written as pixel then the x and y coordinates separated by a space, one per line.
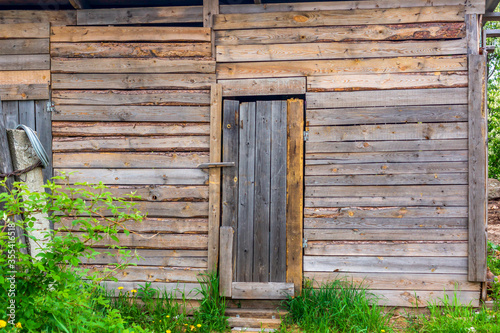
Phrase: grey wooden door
pixel 254 192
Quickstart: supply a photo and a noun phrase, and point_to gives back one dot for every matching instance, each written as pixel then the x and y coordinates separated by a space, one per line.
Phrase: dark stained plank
pixel 46 15
pixel 11 114
pixel 24 62
pixel 24 46
pixel 27 114
pixel 246 172
pixel 277 265
pixel 385 222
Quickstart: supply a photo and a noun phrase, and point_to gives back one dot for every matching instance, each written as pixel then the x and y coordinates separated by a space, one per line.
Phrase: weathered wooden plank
pixel 262 290
pixel 295 192
pixel 383 179
pixel 210 8
pixel 436 265
pixel 24 30
pixel 394 212
pixel 137 176
pixel 390 281
pixel 128 128
pixel 322 51
pixel 25 77
pixel 226 260
pixel 129 160
pixel 27 113
pixel 384 222
pixel 382 191
pixel 152 274
pixel 43 125
pixel 130 65
pixel 387 157
pixel 131 97
pixel 423 298
pixel 129 34
pixel 277 215
pixel 166 209
pixel 24 62
pixel 263 126
pixel 16 92
pixel 339 67
pixel 385 201
pixel 319 100
pixel 10 111
pixel 425 131
pixel 130 143
pixel 55 17
pixel 386 81
pixel 386 169
pixel 373 115
pixel 258 87
pixel 188 291
pixel 246 176
pixel 132 113
pixel 148 15
pixel 386 249
pixel 450 234
pixel 24 46
pixel 129 50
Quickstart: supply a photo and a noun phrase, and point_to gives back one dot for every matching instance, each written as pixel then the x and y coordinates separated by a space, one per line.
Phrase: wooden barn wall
pixel 386 161
pixel 133 111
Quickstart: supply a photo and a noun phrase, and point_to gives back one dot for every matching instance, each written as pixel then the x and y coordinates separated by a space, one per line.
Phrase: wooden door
pixel 254 194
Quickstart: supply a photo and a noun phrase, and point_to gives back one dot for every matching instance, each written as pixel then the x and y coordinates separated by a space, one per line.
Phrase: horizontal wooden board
pixel 440 234
pixel 390 281
pixel 386 81
pixel 128 129
pixel 164 257
pixel 129 34
pixel 148 15
pixel 16 92
pixel 421 299
pixel 46 15
pixel 24 46
pixel 339 17
pixel 24 62
pixel 384 115
pixel 384 191
pixel 348 222
pixel 131 143
pixel 132 113
pixel 130 160
pixel 137 176
pixel 340 67
pixel 341 34
pixel 258 87
pixel 131 65
pixel 132 81
pixel 321 100
pixel 387 157
pixel 153 274
pixel 25 77
pixel 386 249
pixel 424 131
pixel 183 291
pixel 131 97
pixel 436 265
pixel 354 50
pixel 434 169
pixel 177 209
pixel 386 212
pixel 393 179
pixel 24 30
pixel 129 50
pixel 261 290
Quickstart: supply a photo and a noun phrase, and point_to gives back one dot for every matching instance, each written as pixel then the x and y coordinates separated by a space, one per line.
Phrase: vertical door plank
pixel 295 192
pixel 11 114
pixel 43 126
pixel 226 260
pixel 27 113
pixel 277 254
pixel 214 175
pixel 262 190
pixel 230 150
pixel 246 174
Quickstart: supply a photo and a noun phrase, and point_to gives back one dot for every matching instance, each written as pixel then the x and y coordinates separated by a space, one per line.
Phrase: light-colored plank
pixel 24 30
pixel 149 15
pixel 322 51
pixel 24 46
pixel 186 291
pixel 262 290
pixel 129 34
pixel 226 260
pixel 25 77
pixel 386 169
pixel 17 92
pixel 384 179
pixel 423 298
pixel 339 17
pixel 439 234
pixel 130 65
pixel 24 62
pixel 391 212
pixel 340 67
pixel 46 15
pixel 387 157
pixel 210 8
pixel 132 81
pixel 153 274
pixel 384 222
pixel 258 87
pixel 376 191
pixel 321 100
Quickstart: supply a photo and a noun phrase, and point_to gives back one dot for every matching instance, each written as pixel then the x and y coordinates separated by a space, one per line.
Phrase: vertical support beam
pixel 477 153
pixel 295 192
pixel 43 126
pixel 226 260
pixel 210 8
pixel 214 175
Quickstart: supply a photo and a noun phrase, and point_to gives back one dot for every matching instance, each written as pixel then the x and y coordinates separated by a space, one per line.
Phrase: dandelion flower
pixel 192 327
pixel 168 331
pixel 133 291
pixel 199 325
pixel 167 316
pixel 3 323
pixel 120 288
pixel 383 331
pixel 18 325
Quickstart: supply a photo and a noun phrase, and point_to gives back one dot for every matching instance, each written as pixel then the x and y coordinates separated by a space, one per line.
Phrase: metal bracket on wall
pixel 216 165
pixel 51 107
pixel 306 135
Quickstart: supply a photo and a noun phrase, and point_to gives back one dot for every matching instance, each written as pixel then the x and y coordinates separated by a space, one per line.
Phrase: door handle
pixel 216 165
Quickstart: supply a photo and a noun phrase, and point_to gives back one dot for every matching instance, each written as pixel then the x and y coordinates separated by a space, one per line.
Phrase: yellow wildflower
pixel 383 331
pixel 192 327
pixel 3 323
pixel 168 331
pixel 199 325
pixel 133 291
pixel 18 325
pixel 120 288
pixel 167 316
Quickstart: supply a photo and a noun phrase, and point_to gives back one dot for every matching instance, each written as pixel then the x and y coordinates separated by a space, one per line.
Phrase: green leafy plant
pixel 213 306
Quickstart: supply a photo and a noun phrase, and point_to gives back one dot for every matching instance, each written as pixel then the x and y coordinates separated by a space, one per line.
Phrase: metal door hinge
pixel 306 135
pixel 304 243
pixel 50 107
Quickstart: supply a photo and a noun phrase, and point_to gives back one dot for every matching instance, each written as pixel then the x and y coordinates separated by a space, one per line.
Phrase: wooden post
pixel 226 260
pixel 214 175
pixel 477 154
pixel 23 156
pixel 210 8
pixel 295 192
